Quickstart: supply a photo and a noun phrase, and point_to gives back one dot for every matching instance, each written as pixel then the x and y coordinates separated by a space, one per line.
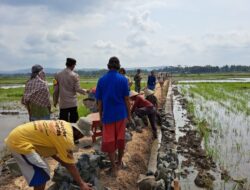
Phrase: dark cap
pixel 36 68
pixel 70 62
pixel 114 63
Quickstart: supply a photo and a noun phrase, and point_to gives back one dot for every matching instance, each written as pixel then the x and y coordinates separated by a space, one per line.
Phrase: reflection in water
pixel 9 122
pixel 229 139
pixel 9 86
pixel 217 81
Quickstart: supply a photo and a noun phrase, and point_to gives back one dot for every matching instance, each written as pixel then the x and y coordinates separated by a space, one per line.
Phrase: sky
pixel 141 33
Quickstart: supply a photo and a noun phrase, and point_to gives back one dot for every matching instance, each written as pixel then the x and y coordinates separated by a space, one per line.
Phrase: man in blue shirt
pixel 112 94
pixel 151 81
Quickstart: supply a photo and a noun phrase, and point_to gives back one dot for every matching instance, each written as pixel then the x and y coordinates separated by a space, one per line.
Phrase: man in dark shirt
pixel 137 79
pixel 151 81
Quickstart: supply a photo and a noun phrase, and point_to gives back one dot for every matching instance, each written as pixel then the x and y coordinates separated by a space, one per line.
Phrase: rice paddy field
pixel 224 109
pixel 11 92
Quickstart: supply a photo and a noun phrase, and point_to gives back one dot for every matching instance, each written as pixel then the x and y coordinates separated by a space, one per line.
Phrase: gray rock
pixel 94 160
pixel 98 185
pixel 173 165
pixel 149 183
pixel 61 174
pixel 83 162
pixel 64 186
pixel 13 167
pixel 128 136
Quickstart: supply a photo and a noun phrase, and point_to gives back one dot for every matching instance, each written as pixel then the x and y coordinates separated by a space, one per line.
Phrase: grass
pixel 15 94
pixel 217 106
pixel 211 76
pixel 233 96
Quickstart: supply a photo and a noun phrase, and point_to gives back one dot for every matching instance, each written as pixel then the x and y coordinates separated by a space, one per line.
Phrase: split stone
pixel 149 183
pixel 13 167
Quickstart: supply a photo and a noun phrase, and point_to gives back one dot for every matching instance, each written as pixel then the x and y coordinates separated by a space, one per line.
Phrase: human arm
pixel 99 106
pixel 127 101
pixel 55 92
pixel 75 174
pixel 77 86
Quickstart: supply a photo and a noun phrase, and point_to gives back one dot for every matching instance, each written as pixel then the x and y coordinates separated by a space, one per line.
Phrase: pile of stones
pixel 167 160
pixel 89 169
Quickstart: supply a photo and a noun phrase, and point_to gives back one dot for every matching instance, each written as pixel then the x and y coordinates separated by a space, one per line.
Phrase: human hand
pixel 86 186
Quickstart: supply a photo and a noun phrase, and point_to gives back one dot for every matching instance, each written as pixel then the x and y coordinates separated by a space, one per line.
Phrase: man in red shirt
pixel 142 107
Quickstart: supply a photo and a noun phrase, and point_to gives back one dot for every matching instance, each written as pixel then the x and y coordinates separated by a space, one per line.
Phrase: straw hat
pixel 83 126
pixel 148 92
pixel 133 93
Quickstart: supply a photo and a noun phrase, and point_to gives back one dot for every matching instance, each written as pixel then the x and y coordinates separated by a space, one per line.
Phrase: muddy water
pixel 8 122
pixel 181 120
pixel 229 139
pixel 216 81
pixel 9 86
pixel 231 142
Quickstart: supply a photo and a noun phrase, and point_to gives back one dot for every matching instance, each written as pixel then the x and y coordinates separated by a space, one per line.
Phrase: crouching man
pixel 32 141
pixel 143 107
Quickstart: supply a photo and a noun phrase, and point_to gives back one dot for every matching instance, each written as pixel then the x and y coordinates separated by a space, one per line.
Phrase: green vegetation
pixel 15 94
pixel 12 94
pixel 220 111
pixel 209 76
pixel 233 96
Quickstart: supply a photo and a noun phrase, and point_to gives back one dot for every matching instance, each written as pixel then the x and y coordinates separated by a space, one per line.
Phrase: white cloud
pixel 140 21
pixel 100 44
pixel 137 40
pixel 139 32
pixel 60 36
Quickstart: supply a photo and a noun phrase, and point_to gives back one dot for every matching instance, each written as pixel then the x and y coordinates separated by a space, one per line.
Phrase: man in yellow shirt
pixel 32 141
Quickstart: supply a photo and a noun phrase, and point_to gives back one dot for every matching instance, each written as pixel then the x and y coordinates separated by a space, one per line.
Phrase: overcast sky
pixel 140 33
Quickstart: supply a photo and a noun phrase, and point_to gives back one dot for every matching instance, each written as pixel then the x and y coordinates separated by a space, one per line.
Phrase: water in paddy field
pixel 217 81
pixel 181 120
pixel 9 122
pixel 9 86
pixel 229 139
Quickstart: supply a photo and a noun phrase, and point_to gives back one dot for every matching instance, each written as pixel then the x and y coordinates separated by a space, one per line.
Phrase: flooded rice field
pixel 9 86
pixel 217 81
pixel 224 111
pixel 8 122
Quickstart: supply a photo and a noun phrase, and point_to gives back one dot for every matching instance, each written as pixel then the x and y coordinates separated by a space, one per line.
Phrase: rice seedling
pixel 224 108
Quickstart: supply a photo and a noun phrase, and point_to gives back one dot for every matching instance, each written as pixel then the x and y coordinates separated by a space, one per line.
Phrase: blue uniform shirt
pixel 151 82
pixel 112 88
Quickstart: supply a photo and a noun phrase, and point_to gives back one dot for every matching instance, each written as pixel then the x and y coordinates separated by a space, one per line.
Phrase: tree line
pixel 168 69
pixel 206 69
